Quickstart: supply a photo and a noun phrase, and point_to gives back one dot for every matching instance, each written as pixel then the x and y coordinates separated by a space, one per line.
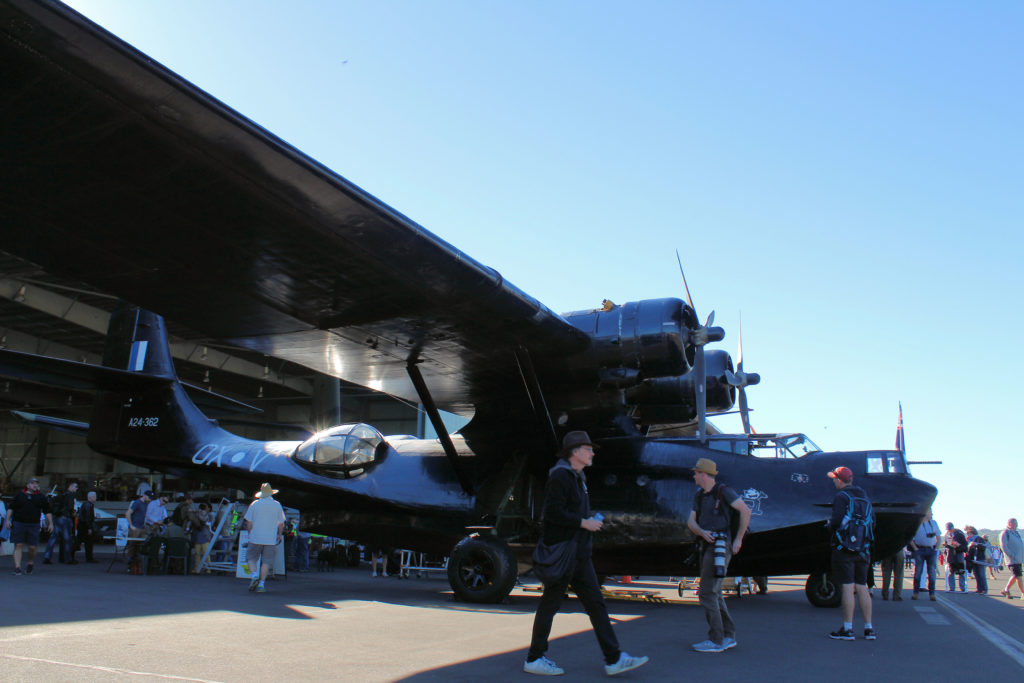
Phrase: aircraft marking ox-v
pixel 121 175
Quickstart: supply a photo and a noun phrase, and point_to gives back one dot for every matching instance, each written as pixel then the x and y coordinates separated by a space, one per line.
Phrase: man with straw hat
pixel 264 520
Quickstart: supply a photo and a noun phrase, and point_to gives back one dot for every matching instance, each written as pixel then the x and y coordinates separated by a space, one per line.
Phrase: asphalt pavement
pixel 80 623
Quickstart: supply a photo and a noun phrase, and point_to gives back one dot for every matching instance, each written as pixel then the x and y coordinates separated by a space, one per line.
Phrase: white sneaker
pixel 543 667
pixel 728 642
pixel 626 663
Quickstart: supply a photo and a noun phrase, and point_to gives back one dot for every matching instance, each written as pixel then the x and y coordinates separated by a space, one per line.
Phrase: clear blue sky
pixel 846 175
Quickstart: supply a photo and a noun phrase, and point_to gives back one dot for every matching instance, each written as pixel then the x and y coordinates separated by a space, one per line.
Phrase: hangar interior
pixel 48 315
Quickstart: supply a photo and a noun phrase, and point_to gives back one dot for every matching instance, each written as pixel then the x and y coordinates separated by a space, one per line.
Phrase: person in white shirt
pixel 925 548
pixel 265 522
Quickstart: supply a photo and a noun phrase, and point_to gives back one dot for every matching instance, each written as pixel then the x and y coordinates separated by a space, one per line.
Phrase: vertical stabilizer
pixel 137 342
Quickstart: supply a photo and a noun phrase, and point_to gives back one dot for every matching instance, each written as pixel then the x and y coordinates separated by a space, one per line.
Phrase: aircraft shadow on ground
pixel 61 594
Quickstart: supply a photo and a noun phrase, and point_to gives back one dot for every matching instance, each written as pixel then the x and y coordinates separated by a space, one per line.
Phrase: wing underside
pixel 122 175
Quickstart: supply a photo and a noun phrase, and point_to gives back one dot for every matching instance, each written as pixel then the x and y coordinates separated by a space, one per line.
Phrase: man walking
pixel 567 516
pixel 850 566
pixel 23 521
pixel 63 523
pixel 925 548
pixel 1013 550
pixel 265 522
pixel 711 520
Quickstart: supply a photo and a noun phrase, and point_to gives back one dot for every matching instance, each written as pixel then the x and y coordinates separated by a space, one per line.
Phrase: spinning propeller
pixel 699 337
pixel 741 380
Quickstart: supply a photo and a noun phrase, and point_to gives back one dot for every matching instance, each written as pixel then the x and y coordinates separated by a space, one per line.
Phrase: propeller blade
pixel 744 380
pixel 711 319
pixel 689 299
pixel 745 412
pixel 739 365
pixel 702 396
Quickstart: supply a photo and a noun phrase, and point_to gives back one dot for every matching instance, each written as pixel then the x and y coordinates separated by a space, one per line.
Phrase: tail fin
pixel 137 342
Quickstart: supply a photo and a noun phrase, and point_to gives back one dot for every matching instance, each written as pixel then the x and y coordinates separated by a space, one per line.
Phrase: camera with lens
pixel 719 549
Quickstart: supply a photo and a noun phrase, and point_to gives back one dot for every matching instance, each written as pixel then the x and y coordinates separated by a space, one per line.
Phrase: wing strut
pixel 540 406
pixel 435 419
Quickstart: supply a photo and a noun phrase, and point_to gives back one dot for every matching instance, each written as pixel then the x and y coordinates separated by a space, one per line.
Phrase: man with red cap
pixel 849 568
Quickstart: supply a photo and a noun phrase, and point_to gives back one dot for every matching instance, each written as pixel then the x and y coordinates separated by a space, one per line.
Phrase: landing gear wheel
pixel 482 569
pixel 821 591
pixel 762 584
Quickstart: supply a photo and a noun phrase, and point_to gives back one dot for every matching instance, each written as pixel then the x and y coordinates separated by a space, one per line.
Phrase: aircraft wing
pixel 120 174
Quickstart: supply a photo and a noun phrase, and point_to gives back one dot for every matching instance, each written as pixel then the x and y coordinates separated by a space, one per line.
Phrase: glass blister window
pixel 344 450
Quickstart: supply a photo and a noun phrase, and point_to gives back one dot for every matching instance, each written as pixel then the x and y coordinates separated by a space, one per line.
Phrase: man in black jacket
pixel 567 516
pixel 63 525
pixel 23 520
pixel 86 520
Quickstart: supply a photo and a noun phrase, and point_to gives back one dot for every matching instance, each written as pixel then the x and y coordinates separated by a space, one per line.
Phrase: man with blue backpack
pixel 853 531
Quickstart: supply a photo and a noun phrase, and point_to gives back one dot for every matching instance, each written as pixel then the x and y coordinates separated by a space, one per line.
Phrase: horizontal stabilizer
pixel 216 404
pixel 59 424
pixel 69 374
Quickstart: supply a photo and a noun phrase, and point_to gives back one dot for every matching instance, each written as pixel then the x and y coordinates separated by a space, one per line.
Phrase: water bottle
pixel 598 516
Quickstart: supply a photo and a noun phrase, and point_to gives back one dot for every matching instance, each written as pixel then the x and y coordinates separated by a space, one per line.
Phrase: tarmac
pixel 81 623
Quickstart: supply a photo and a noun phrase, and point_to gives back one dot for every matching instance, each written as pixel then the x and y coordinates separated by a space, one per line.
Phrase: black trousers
pixel 85 539
pixel 584 584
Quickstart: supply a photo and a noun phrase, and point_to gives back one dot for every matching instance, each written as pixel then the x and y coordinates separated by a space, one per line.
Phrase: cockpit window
pixel 886 462
pixel 345 450
pixel 773 446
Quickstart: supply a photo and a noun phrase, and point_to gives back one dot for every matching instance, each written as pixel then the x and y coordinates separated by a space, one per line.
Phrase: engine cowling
pixel 649 337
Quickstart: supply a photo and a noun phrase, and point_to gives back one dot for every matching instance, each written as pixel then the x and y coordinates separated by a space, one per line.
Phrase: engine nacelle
pixel 665 400
pixel 647 336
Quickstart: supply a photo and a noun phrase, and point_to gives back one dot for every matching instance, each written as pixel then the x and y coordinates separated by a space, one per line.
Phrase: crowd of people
pixel 719 519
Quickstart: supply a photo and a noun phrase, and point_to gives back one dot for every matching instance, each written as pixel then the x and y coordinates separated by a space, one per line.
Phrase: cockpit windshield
pixel 766 445
pixel 346 449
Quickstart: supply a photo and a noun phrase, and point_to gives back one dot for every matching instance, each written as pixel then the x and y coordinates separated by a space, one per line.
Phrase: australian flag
pixel 901 444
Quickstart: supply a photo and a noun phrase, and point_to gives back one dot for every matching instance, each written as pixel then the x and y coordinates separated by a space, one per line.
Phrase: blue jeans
pixel 980 580
pixel 302 555
pixel 924 557
pixel 951 576
pixel 62 527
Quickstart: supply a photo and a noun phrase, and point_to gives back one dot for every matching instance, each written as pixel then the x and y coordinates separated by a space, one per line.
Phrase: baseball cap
pixel 842 474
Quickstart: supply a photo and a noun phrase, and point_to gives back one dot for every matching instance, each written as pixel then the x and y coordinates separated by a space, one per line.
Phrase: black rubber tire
pixel 482 569
pixel 822 595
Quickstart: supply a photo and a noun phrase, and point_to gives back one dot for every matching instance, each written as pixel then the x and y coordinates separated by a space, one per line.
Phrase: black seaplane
pixel 121 175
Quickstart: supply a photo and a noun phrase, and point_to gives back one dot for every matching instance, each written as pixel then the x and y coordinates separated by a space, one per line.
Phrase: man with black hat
pixel 711 520
pixel 849 568
pixel 23 521
pixel 567 516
